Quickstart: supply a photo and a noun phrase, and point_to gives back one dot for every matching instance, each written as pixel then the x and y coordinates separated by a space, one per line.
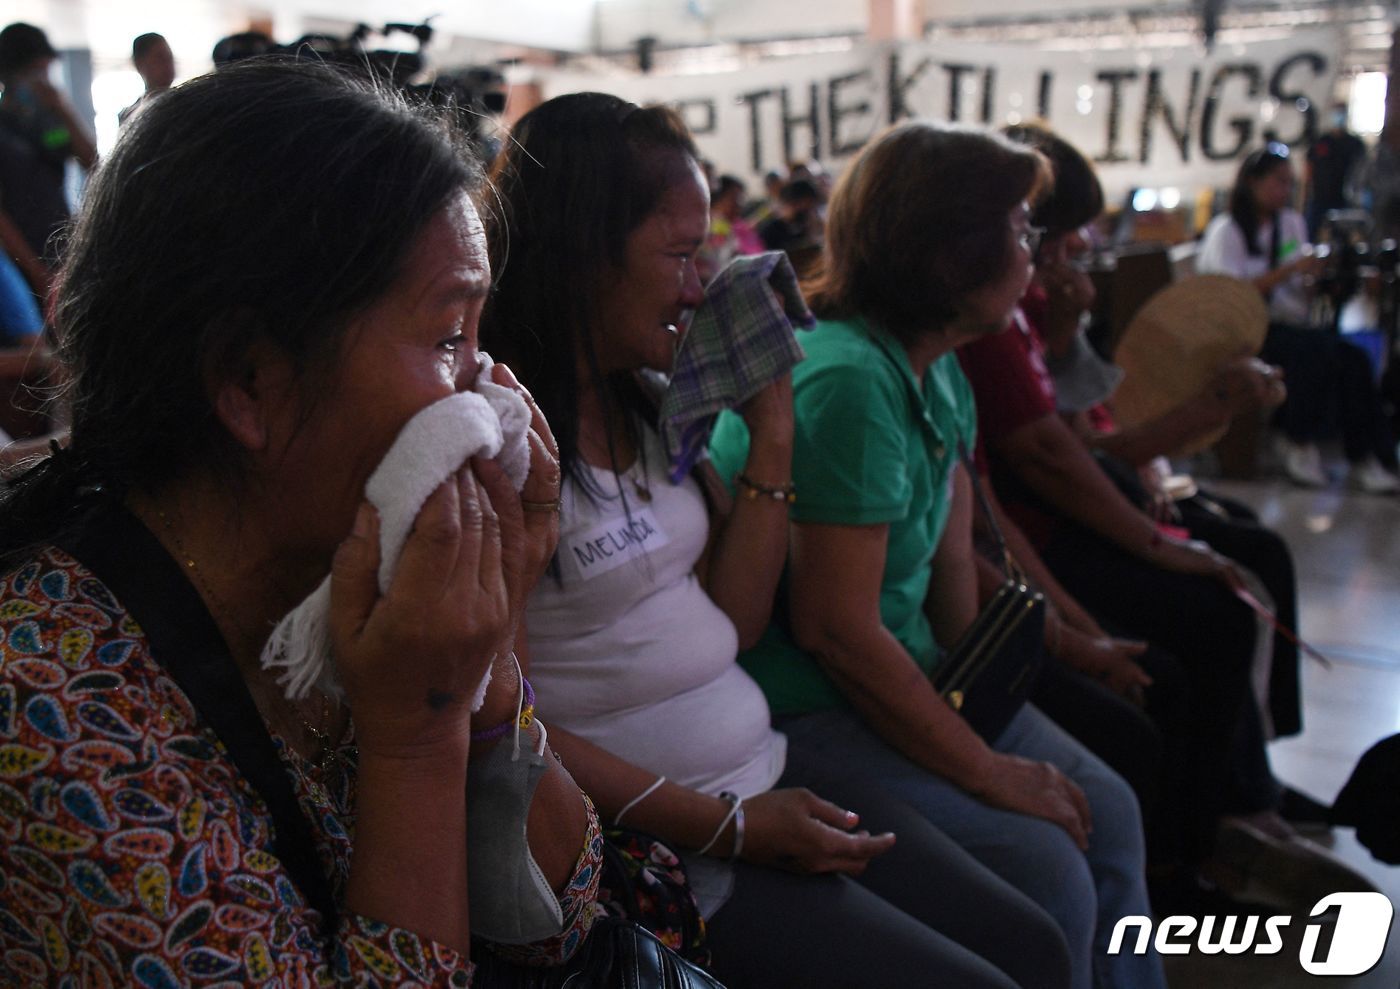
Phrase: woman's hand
pixel 1106 659
pixel 529 528
pixel 1069 293
pixel 1309 265
pixel 1244 384
pixel 1040 790
pixel 1160 505
pixel 1191 556
pixel 794 829
pixel 410 661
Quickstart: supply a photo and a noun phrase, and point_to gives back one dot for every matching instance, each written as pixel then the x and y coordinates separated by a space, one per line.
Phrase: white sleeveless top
pixel 629 651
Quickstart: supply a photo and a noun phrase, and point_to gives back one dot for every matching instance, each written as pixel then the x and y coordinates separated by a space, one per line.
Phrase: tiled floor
pixel 1347 549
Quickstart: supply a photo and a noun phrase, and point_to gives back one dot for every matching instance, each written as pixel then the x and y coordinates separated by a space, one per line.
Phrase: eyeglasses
pixel 1030 239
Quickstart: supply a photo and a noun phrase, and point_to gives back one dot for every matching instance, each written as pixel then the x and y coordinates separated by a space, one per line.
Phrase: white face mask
pixel 511 901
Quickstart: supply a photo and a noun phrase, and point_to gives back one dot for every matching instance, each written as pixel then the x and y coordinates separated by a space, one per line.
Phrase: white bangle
pixel 738 832
pixel 734 802
pixel 617 818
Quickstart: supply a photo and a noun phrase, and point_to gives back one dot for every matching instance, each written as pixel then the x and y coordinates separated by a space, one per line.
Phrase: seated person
pixel 1136 576
pixel 928 245
pixel 1056 307
pixel 730 234
pixel 632 640
pixel 1331 385
pixel 234 385
pixel 790 229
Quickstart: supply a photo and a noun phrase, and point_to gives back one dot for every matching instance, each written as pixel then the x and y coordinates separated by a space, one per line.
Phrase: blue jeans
pixel 1086 892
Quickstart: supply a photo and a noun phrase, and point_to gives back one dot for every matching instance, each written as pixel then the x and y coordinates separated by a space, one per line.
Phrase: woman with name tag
pixel 630 644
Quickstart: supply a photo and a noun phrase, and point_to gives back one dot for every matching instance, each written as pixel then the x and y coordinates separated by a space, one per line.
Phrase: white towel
pixel 492 421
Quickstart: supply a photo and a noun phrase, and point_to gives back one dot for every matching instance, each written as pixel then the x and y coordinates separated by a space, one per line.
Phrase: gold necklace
pixel 325 755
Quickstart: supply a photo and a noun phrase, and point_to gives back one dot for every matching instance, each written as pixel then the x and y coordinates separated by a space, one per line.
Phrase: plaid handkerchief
pixel 740 341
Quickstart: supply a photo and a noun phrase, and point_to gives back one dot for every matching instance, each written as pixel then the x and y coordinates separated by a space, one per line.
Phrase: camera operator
pixel 474 95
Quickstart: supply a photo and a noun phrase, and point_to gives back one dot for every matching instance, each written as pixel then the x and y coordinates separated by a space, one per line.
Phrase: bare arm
pixel 1168 433
pixel 83 145
pixel 792 829
pixel 453 606
pixel 14 244
pixel 414 753
pixel 1053 462
pixel 951 604
pixel 742 565
pixel 1305 264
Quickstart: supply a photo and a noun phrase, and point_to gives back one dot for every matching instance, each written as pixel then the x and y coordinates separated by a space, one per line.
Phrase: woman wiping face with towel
pixel 275 271
pixel 633 641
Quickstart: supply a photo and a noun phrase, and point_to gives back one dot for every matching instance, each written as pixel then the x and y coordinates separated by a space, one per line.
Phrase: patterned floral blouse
pixel 132 851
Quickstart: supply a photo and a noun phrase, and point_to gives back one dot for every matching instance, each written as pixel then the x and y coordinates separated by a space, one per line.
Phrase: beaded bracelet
pixel 527 716
pixel 753 490
pixel 734 802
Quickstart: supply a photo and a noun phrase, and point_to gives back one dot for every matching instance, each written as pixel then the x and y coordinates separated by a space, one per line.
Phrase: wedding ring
pixel 541 506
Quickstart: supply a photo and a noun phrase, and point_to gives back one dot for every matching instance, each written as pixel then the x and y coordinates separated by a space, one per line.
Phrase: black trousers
pixel 1203 636
pixel 1149 746
pixel 1233 530
pixel 923 911
pixel 1331 389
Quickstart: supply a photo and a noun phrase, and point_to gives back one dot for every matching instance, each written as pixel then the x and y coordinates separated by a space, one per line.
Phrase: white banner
pixel 1164 117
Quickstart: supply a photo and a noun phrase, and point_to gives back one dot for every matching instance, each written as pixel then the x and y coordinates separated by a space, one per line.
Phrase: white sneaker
pixel 1302 462
pixel 1369 477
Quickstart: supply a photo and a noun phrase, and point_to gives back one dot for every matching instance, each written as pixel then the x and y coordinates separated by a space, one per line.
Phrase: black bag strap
pixel 1008 562
pixel 184 639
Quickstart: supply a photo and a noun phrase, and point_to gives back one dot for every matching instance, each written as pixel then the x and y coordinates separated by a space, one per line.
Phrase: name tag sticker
pixel 609 544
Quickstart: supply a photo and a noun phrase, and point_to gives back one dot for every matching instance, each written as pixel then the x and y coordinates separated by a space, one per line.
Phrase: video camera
pixel 472 94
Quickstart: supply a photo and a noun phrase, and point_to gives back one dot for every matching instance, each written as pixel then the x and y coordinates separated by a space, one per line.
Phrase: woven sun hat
pixel 1177 342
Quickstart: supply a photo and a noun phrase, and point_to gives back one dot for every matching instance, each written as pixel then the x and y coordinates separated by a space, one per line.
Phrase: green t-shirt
pixel 872 446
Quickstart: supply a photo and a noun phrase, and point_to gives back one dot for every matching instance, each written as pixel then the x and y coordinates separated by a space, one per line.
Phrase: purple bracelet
pixel 527 715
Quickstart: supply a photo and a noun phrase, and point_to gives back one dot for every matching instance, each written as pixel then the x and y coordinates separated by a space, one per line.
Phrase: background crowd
pixel 612 679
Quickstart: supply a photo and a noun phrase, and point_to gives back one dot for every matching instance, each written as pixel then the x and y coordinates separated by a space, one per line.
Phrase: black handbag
pixel 617 954
pixel 990 671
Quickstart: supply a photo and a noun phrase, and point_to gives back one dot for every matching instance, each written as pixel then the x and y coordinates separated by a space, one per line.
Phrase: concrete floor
pixel 1347 550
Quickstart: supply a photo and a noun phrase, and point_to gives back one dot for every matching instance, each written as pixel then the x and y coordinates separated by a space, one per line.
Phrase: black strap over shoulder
pixel 1008 562
pixel 185 641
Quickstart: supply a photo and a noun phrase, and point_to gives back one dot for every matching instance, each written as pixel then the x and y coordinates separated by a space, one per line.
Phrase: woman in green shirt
pixel 928 246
